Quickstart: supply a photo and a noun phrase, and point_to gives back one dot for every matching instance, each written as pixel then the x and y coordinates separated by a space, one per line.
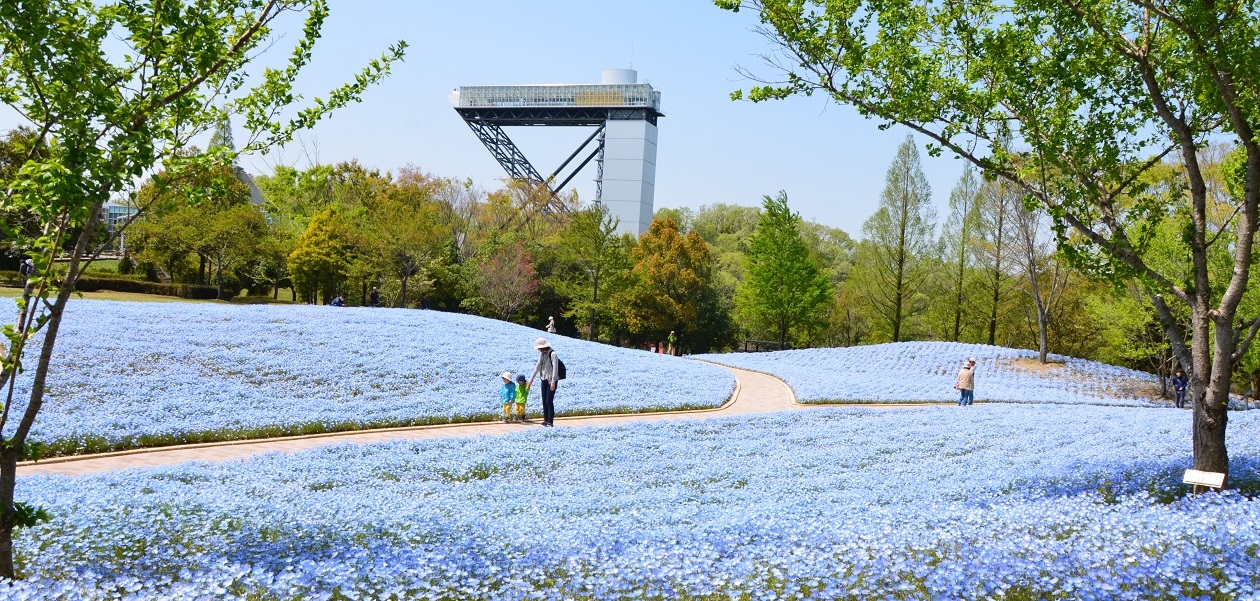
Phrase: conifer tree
pixel 783 286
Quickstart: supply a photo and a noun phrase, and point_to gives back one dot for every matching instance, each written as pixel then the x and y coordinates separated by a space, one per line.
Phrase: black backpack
pixel 560 372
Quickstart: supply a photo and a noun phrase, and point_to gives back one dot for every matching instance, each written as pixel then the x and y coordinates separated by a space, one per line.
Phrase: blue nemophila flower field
pixel 140 374
pixel 991 502
pixel 926 371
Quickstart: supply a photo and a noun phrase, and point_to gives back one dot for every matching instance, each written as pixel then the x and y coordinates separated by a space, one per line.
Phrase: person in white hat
pixel 966 384
pixel 507 395
pixel 549 369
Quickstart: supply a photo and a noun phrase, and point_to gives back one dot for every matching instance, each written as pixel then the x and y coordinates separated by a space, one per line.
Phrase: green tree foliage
pixel 597 259
pixel 994 254
pixel 404 230
pixel 321 261
pixel 204 211
pixel 892 264
pixel 683 216
pixel 15 147
pixel 1130 332
pixel 670 288
pixel 113 89
pixel 233 239
pixel 1074 103
pixel 292 196
pixel 957 240
pixel 783 287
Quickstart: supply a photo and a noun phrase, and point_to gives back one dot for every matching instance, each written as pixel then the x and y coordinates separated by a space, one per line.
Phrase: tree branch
pixel 1244 343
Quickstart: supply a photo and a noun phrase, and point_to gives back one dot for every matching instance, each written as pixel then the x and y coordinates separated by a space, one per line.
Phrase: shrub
pixel 96 284
pixel 121 284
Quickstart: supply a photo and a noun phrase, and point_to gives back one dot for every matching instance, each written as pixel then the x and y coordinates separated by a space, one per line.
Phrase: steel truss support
pixel 504 151
pixel 518 167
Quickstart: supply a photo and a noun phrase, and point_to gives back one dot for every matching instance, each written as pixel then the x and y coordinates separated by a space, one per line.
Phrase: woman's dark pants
pixel 548 399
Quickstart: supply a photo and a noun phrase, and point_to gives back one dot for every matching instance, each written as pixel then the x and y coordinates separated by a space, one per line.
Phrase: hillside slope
pixel 145 374
pixel 926 372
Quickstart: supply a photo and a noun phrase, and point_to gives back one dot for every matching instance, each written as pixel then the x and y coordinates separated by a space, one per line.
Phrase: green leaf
pixel 27 516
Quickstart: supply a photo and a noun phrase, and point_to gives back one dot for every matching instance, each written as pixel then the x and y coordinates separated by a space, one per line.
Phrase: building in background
pixel 623 145
pixel 114 215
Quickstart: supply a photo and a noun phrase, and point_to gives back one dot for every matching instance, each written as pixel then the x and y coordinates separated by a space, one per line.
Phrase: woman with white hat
pixel 967 382
pixel 548 368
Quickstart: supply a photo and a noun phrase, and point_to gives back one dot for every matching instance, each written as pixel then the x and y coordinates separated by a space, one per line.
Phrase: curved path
pixel 754 393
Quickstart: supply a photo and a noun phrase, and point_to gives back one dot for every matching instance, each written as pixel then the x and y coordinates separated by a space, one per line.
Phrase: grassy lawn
pixel 111 295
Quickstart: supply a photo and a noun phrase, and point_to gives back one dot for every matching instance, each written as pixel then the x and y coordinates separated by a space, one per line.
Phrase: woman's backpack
pixel 559 369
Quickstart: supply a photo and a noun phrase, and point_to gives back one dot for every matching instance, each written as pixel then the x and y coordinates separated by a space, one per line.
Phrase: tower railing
pixel 559 95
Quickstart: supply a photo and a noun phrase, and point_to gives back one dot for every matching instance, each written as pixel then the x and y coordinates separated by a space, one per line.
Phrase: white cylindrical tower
pixel 613 76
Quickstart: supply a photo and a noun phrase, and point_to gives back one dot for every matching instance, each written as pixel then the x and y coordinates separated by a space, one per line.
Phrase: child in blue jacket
pixel 507 395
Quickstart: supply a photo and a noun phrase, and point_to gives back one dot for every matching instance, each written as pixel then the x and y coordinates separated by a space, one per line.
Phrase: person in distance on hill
pixel 337 301
pixel 1180 382
pixel 522 394
pixel 374 299
pixel 551 325
pixel 673 343
pixel 548 368
pixel 967 383
pixel 507 395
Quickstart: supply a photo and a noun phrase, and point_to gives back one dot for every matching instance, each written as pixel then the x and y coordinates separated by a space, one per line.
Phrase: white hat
pixel 541 343
pixel 971 359
pixel 507 375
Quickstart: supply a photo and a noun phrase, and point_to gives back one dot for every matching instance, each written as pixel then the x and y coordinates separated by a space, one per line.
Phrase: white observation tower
pixel 623 145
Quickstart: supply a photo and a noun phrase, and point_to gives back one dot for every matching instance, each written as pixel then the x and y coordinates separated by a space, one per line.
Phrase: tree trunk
pixel 1043 337
pixel 11 450
pixel 993 314
pixel 1211 397
pixel 958 287
pixel 896 333
pixel 402 294
pixel 218 276
pixel 8 478
pixel 594 303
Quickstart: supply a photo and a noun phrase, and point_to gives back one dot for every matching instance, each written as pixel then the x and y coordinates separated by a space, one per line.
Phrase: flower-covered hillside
pixel 1014 502
pixel 130 374
pixel 926 371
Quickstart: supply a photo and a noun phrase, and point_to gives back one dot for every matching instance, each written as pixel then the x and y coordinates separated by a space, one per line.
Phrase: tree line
pixel 719 276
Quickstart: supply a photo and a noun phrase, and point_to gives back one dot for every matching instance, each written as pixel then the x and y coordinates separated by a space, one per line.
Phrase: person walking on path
pixel 1180 382
pixel 548 369
pixel 507 395
pixel 551 325
pixel 967 383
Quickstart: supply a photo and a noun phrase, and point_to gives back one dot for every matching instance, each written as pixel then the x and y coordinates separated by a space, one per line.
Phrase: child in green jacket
pixel 522 393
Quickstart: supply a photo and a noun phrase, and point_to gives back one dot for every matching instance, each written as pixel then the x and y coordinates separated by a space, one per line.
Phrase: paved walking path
pixel 754 393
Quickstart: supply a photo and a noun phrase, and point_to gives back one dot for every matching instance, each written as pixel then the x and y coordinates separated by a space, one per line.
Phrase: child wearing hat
pixel 522 393
pixel 507 395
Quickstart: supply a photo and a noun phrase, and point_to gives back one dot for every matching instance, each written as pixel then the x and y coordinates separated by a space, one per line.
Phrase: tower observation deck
pixel 623 144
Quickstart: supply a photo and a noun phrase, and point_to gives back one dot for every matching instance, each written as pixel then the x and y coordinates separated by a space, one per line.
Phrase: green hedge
pixel 125 284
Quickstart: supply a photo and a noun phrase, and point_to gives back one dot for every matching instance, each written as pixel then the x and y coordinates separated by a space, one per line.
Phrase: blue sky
pixel 830 161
